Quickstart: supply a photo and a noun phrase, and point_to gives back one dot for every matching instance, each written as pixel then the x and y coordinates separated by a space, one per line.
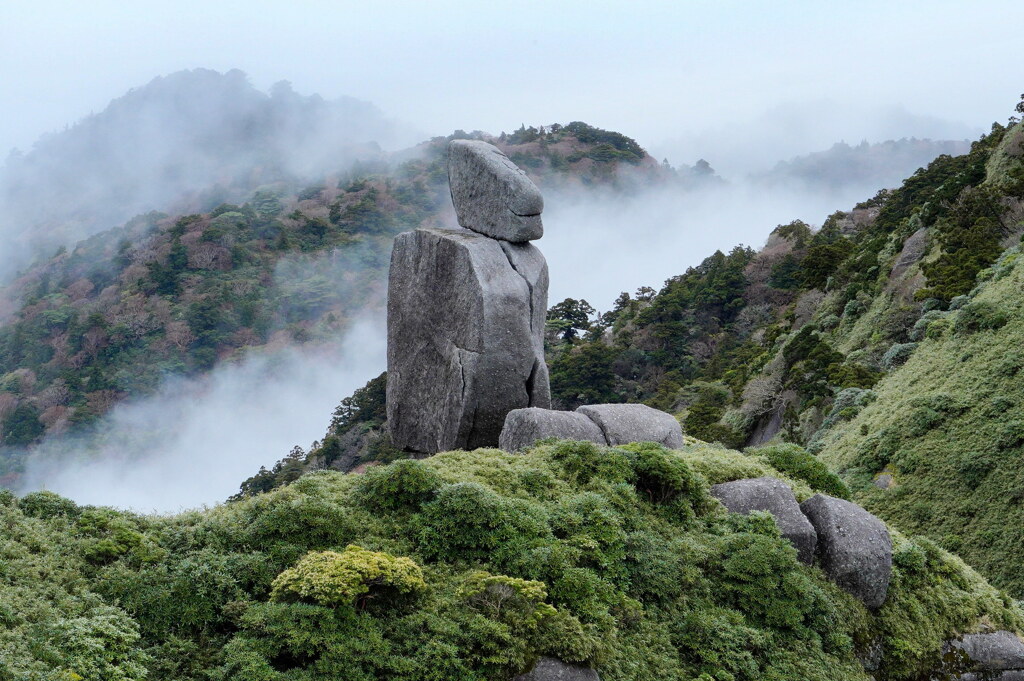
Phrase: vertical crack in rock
pixel 531 381
pixel 505 246
pixel 599 424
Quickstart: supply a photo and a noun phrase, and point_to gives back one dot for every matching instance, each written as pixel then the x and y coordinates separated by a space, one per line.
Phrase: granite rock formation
pixel 523 427
pixel 605 424
pixel 854 547
pixel 775 497
pixel 491 194
pixel 551 669
pixel 997 655
pixel 466 313
pixel 624 423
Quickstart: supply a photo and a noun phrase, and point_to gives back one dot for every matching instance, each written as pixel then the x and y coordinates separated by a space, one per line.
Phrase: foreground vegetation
pixel 469 565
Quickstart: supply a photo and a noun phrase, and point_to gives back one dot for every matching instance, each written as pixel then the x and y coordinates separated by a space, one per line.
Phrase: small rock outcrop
pixel 624 423
pixel 775 497
pixel 491 194
pixel 551 669
pixel 998 655
pixel 523 427
pixel 854 547
pixel 605 424
pixel 465 337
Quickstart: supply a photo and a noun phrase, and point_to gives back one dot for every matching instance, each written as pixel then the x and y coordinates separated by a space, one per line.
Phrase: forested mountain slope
pixel 793 341
pixel 175 295
pixel 182 143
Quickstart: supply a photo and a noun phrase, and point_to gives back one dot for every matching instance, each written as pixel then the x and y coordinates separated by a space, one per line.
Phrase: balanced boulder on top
pixel 491 194
pixel 466 311
pixel 775 497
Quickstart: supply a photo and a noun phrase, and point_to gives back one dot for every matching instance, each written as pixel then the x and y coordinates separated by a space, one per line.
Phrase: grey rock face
pixel 523 427
pixel 854 547
pixel 465 338
pixel 774 496
pixel 491 194
pixel 624 423
pixel 550 669
pixel 1000 654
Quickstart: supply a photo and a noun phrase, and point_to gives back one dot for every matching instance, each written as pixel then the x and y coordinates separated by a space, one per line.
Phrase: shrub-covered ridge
pixel 470 565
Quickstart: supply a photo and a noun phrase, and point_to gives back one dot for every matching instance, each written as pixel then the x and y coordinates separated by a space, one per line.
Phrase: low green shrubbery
pixel 468 565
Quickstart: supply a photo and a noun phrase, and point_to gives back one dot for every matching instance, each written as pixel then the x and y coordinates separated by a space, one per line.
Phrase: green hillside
pixel 948 426
pixel 467 565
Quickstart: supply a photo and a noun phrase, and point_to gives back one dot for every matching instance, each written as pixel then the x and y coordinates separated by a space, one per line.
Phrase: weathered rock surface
pixel 854 547
pixel 623 423
pixel 998 655
pixel 775 497
pixel 550 669
pixel 491 194
pixel 465 338
pixel 523 427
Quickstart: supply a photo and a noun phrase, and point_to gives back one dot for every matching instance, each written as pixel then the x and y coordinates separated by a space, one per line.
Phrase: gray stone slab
pixel 491 194
pixel 551 669
pixel 854 547
pixel 523 427
pixel 624 423
pixel 465 345
pixel 775 497
pixel 996 651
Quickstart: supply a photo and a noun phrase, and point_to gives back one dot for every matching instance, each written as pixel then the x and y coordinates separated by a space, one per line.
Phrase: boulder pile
pixel 852 546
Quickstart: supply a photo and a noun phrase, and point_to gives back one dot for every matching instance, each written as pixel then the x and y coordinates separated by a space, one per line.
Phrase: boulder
pixel 465 338
pixel 491 194
pixel 551 669
pixel 523 427
pixel 998 655
pixel 854 547
pixel 775 497
pixel 624 423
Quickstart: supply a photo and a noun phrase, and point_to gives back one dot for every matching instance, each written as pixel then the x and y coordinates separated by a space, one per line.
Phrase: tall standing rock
pixel 466 312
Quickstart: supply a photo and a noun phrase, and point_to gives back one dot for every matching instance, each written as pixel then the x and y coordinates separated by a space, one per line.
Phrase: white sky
pixel 685 78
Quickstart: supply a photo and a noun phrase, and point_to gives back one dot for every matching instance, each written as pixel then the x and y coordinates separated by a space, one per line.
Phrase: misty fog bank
pixel 181 143
pixel 599 246
pixel 196 440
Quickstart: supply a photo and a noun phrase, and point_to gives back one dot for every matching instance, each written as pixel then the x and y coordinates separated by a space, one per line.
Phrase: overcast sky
pixel 687 79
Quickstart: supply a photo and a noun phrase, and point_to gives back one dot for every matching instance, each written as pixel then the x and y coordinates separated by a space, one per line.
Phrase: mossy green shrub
pixel 979 316
pixel 610 557
pixel 897 355
pixel 796 462
pixel 406 484
pixel 47 504
pixel 347 578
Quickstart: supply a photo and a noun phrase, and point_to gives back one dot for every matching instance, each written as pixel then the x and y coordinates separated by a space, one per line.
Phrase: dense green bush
pixel 611 557
pixel 798 463
pixel 349 578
